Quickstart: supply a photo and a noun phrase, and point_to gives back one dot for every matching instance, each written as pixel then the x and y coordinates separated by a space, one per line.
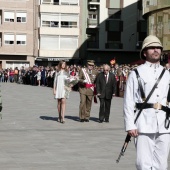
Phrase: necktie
pixel 106 78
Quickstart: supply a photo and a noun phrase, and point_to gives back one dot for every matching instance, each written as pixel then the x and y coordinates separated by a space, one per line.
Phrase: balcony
pixel 114 25
pixel 92 30
pixel 92 23
pixel 61 2
pixel 92 44
pixel 114 45
pixel 94 2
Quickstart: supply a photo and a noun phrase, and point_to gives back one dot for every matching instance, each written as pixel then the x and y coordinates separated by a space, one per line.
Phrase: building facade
pixel 115 29
pixel 44 32
pixel 58 31
pixel 16 33
pixel 157 13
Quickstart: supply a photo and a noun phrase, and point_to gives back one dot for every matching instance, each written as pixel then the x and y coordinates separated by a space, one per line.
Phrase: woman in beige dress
pixel 61 76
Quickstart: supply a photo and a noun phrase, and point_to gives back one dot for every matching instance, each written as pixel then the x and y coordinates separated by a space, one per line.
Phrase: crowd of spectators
pixel 44 76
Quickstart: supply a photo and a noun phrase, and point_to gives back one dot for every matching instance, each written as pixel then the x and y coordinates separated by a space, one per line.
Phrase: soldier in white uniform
pixel 152 137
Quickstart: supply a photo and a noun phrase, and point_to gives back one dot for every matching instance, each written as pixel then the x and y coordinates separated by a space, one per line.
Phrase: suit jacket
pixel 106 89
pixel 82 88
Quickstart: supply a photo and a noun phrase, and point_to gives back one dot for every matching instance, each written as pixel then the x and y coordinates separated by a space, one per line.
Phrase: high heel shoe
pixel 62 121
pixel 59 119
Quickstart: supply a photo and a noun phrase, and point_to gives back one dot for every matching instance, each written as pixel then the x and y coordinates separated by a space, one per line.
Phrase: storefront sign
pixel 52 59
pixel 57 59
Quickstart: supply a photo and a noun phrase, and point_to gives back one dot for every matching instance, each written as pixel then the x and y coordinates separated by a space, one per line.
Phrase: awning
pixel 54 59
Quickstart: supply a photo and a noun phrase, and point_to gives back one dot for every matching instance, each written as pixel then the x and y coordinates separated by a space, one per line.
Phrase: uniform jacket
pixel 106 89
pixel 82 88
pixel 150 120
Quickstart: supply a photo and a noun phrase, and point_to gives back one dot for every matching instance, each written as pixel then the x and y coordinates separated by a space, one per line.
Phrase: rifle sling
pixel 140 85
pixel 148 97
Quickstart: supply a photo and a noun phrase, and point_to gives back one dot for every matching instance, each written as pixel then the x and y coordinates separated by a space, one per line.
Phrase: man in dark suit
pixel 106 88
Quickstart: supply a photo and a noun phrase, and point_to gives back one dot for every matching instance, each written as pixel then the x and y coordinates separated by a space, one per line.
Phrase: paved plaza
pixel 32 139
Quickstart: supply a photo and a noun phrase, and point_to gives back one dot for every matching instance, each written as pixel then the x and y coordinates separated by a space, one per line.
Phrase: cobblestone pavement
pixel 32 139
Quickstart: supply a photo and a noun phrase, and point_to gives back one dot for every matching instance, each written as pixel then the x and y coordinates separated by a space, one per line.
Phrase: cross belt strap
pixel 148 97
pixel 140 85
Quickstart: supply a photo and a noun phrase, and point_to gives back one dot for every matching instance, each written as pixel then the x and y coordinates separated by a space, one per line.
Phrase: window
pixel 56 2
pixel 9 16
pixel 49 42
pixel 113 36
pixel 68 43
pixel 46 1
pixel 59 20
pixel 49 20
pixel 21 39
pixel 93 16
pixel 69 2
pixel 9 39
pixel 21 17
pixel 58 42
pixel 114 13
pixel 69 21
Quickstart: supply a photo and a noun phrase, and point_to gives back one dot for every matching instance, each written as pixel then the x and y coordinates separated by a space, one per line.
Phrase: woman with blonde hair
pixel 61 76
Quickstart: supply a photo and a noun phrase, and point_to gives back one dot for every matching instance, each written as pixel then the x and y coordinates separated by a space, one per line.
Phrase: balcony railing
pixel 92 22
pixel 114 45
pixel 94 2
pixel 61 2
pixel 92 44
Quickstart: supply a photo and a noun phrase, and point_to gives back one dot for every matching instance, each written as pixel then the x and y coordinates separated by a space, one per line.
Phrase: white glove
pixel 85 81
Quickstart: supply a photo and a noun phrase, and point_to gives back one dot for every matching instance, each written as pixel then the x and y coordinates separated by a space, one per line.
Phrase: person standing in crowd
pixel 1 73
pixel 6 75
pixel 87 78
pixel 33 72
pixel 38 75
pixel 27 76
pixel 11 75
pixel 16 74
pixel 0 105
pixel 152 135
pixel 43 75
pixel 106 89
pixel 23 74
pixel 59 89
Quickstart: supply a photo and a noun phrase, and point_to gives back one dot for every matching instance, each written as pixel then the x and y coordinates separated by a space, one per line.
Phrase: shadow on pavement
pixel 75 118
pixel 94 119
pixel 48 118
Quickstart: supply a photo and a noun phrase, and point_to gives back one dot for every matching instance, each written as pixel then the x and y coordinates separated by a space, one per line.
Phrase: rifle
pixel 128 137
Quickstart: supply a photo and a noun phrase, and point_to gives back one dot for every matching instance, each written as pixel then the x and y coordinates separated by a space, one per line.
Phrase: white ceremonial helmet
pixel 150 41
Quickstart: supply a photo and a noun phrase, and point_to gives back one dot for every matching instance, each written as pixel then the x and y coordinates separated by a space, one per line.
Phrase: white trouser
pixel 152 151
